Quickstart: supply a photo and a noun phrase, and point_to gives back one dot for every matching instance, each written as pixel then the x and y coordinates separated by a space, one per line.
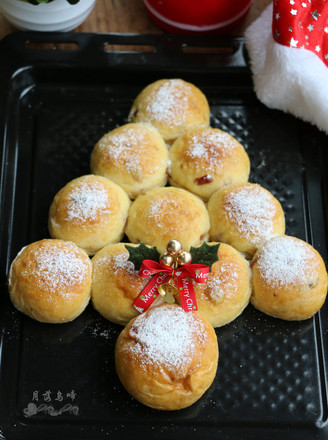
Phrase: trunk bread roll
pixel 167 358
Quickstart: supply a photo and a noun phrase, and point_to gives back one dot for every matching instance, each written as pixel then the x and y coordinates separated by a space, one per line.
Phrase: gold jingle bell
pixel 167 291
pixel 173 247
pixel 174 257
pixel 184 258
pixel 166 259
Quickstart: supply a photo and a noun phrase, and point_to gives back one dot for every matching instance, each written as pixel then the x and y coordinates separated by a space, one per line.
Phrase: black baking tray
pixel 59 93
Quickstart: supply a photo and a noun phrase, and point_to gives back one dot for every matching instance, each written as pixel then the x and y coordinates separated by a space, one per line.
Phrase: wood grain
pixel 130 16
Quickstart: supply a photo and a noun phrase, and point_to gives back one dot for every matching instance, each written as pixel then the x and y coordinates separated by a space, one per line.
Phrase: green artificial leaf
pixel 205 254
pixel 137 254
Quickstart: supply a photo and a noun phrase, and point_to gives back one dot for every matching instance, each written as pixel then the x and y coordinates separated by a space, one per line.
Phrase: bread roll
pixel 167 358
pixel 90 211
pixel 289 279
pixel 172 106
pixel 205 159
pixel 134 156
pixel 168 213
pixel 245 215
pixel 115 284
pixel 50 281
pixel 227 292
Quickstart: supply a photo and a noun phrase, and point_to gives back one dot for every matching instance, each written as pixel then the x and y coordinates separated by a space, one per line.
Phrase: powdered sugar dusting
pixel 252 210
pixel 287 261
pixel 57 268
pixel 223 282
pixel 87 200
pixel 127 149
pixel 167 336
pixel 161 209
pixel 117 262
pixel 169 103
pixel 211 147
pixel 118 267
pixel 120 262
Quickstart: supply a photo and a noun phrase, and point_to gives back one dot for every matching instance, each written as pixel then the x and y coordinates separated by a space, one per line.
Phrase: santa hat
pixel 288 50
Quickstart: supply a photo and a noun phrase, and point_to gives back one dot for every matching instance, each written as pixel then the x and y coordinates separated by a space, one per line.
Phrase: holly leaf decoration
pixel 137 254
pixel 205 254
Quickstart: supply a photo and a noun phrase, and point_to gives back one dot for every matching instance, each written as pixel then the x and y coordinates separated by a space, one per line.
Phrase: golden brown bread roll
pixel 245 215
pixel 205 159
pixel 50 281
pixel 134 156
pixel 228 289
pixel 115 284
pixel 90 211
pixel 167 358
pixel 162 214
pixel 172 106
pixel 289 279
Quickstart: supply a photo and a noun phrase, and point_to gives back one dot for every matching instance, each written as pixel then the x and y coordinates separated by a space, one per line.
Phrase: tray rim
pixel 13 68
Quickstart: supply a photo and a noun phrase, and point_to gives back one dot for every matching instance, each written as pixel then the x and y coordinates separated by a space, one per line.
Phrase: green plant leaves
pixel 140 253
pixel 205 254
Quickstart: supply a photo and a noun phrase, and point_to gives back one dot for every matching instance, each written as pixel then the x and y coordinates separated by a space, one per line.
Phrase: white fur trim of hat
pixel 288 50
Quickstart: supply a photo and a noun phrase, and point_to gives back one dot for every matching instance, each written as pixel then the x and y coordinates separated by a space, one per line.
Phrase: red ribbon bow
pixel 161 274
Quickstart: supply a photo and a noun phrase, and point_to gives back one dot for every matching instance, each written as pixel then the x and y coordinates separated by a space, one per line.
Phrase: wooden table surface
pixel 130 16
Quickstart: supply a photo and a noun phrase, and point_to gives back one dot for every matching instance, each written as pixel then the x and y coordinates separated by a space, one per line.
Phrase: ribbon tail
pixel 199 272
pixel 150 292
pixel 187 294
